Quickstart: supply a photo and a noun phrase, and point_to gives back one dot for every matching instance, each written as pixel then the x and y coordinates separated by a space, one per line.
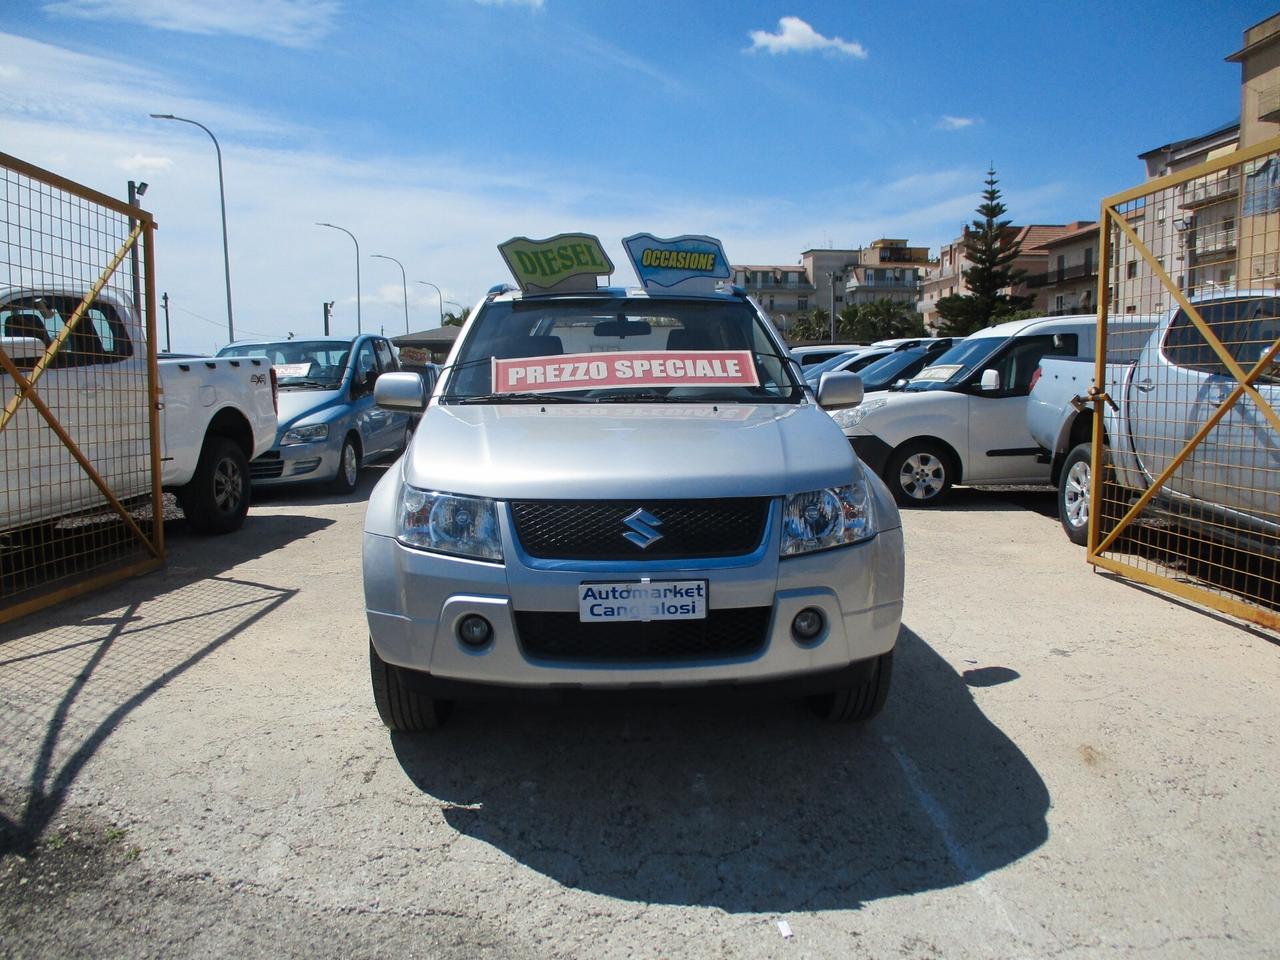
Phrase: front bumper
pixel 296 462
pixel 414 601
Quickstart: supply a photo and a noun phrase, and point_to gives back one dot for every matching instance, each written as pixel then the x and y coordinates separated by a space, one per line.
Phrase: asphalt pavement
pixel 1068 766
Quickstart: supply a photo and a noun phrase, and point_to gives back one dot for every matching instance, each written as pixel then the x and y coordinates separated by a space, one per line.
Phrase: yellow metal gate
pixel 81 504
pixel 1190 464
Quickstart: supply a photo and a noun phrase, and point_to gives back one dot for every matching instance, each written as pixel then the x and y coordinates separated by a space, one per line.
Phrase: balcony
pixel 1207 190
pixel 1081 271
pixel 1206 243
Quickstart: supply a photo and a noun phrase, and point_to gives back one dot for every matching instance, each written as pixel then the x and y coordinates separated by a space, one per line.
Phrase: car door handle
pixel 1146 386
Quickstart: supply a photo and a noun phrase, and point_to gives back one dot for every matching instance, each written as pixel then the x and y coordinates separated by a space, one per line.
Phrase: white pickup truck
pixel 1164 385
pixel 215 416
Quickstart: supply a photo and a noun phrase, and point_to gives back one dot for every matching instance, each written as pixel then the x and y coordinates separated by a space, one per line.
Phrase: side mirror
pixel 839 390
pixel 990 381
pixel 401 391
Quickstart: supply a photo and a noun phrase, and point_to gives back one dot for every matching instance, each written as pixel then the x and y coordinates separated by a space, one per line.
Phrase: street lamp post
pixel 222 199
pixel 453 304
pixel 439 296
pixel 831 279
pixel 334 226
pixel 404 285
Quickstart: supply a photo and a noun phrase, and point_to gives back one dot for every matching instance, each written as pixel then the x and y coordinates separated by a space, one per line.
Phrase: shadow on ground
pixel 749 809
pixel 70 676
pixel 311 493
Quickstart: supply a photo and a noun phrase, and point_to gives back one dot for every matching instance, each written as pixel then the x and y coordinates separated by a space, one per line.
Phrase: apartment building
pixel 1258 250
pixel 784 292
pixel 833 278
pixel 1070 283
pixel 886 270
pixel 946 277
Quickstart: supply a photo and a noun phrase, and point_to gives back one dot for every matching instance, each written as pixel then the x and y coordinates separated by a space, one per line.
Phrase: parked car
pixel 901 365
pixel 963 418
pixel 817 353
pixel 216 416
pixel 329 423
pixel 880 367
pixel 1060 418
pixel 626 490
pixel 1229 486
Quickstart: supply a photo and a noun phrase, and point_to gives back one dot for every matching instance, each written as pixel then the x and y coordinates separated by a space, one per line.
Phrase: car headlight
pixel 852 416
pixel 822 519
pixel 461 526
pixel 310 434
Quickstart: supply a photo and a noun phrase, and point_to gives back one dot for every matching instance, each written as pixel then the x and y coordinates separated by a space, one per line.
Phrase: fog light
pixel 808 623
pixel 475 631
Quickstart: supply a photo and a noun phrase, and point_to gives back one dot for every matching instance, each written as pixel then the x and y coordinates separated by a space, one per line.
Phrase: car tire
pixel 399 707
pixel 919 473
pixel 1073 496
pixel 216 499
pixel 344 481
pixel 859 702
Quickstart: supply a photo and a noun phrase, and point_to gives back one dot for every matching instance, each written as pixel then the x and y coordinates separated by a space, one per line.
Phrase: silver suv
pixel 622 490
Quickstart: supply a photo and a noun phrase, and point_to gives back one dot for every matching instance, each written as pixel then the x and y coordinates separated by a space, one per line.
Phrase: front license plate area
pixel 642 601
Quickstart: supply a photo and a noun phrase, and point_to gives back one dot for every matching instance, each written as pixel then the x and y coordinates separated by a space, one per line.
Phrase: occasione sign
pixel 640 368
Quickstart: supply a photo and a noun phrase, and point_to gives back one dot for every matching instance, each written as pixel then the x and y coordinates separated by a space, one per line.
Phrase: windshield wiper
pixel 284 384
pixel 518 398
pixel 647 396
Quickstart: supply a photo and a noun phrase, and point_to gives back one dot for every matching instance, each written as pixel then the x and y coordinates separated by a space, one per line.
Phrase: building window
pixel 1059 302
pixel 839 298
pixel 1062 265
pixel 1131 270
pixel 1088 260
pixel 802 303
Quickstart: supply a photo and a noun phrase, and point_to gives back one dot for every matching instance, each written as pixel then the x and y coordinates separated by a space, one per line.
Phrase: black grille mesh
pixel 723 634
pixel 573 530
pixel 266 467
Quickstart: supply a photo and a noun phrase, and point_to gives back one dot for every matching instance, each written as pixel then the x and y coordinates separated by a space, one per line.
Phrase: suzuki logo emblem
pixel 643 526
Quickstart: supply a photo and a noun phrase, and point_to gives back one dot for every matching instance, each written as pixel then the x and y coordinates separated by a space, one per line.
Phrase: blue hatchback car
pixel 329 424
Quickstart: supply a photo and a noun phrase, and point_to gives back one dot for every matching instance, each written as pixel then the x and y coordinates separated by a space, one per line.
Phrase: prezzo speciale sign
pixel 639 368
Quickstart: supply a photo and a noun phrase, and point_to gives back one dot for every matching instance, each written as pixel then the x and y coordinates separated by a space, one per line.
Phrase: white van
pixel 963 419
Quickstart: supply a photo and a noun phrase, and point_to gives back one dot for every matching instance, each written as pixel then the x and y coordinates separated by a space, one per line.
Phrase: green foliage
pixel 991 249
pixel 882 319
pixel 452 319
pixel 807 328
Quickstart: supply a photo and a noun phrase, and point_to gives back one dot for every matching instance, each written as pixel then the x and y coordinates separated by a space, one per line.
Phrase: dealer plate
pixel 642 600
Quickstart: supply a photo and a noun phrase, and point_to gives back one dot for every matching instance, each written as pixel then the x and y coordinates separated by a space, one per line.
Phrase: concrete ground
pixel 1068 766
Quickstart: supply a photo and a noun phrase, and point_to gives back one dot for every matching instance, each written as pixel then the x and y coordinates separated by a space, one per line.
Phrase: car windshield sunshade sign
pixel 630 369
pixel 687 264
pixel 566 263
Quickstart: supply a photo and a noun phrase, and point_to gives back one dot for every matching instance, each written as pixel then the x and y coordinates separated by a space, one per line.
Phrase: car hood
pixel 295 405
pixel 608 451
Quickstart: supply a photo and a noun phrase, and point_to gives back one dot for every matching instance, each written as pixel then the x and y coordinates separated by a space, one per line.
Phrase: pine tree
pixel 992 248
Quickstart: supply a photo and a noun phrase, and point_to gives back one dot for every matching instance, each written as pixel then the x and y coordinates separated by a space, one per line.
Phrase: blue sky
pixel 434 130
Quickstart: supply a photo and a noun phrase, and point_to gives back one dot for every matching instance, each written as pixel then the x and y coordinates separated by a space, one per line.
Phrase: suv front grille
pixel 724 634
pixel 596 530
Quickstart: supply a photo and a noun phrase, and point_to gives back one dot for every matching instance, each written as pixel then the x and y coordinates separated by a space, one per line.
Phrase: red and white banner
pixel 640 368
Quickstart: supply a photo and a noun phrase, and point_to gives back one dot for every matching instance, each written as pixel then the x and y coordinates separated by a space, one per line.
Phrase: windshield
pixel 890 369
pixel 956 364
pixel 814 371
pixel 642 350
pixel 299 364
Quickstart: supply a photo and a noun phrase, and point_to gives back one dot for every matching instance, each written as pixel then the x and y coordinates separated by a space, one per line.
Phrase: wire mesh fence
pixel 1190 495
pixel 80 502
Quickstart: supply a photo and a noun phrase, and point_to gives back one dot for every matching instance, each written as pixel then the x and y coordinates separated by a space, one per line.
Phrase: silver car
pixel 563 521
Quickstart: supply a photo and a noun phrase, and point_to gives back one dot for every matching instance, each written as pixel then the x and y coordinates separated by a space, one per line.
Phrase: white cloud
pixel 442 215
pixel 956 123
pixel 588 44
pixel 290 23
pixel 141 163
pixel 796 36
